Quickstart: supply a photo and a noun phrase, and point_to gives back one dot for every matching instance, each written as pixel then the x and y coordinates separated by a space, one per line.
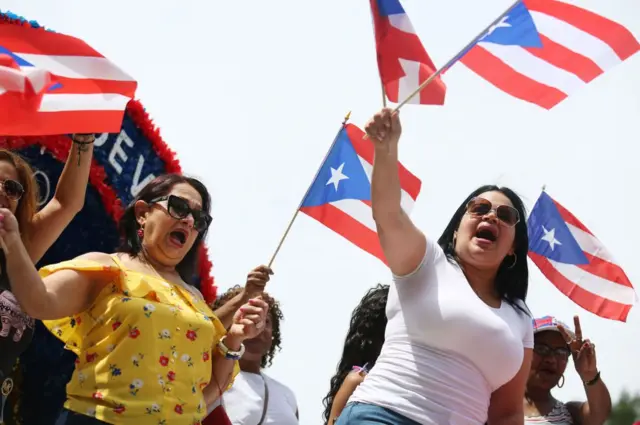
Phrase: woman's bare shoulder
pixel 98 257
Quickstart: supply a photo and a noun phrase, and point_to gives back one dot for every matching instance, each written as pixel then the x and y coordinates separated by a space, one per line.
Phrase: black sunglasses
pixel 179 208
pixel 506 214
pixel 12 189
pixel 543 350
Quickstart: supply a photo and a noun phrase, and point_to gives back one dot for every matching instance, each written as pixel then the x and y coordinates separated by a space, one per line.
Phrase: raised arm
pixel 597 408
pixel 50 221
pixel 247 323
pixel 61 294
pixel 402 242
pixel 256 281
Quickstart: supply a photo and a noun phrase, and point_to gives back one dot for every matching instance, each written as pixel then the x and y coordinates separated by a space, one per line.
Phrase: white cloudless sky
pixel 251 93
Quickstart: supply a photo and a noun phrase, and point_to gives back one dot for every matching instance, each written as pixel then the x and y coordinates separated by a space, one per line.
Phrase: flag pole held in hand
pixel 286 232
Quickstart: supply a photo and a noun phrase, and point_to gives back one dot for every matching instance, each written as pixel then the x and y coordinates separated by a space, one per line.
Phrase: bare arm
pixel 50 222
pixel 256 281
pixel 225 312
pixel 247 324
pixel 402 242
pixel 597 408
pixel 221 371
pixel 60 294
pixel 347 388
pixel 505 406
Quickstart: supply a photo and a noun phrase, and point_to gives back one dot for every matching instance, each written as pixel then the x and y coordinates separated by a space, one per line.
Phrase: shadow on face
pixel 484 240
pixel 550 357
pixel 8 199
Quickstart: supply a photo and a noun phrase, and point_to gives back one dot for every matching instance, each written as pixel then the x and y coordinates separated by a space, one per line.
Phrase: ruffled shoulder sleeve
pixel 71 330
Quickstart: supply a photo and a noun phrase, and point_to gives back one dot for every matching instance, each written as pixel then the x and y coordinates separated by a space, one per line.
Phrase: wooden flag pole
pixel 456 57
pixel 286 232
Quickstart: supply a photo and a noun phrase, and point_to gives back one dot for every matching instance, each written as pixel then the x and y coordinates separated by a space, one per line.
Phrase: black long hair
pixel 364 339
pixel 512 283
pixel 128 226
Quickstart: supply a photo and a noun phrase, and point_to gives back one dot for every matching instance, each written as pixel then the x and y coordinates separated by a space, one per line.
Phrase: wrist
pixel 13 242
pixel 233 342
pixel 386 148
pixel 590 378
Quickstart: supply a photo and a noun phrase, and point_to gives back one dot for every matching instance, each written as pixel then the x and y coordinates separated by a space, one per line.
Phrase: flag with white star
pixel 542 51
pixel 576 262
pixel 340 196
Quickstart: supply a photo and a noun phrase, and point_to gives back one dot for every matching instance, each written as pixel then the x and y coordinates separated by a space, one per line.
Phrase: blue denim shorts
pixel 369 414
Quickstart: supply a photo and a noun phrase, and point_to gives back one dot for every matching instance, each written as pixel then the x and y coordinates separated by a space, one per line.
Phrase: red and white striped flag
pixel 544 50
pixel 89 93
pixel 576 262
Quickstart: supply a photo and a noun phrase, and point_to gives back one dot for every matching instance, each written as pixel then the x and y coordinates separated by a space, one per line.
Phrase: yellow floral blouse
pixel 144 349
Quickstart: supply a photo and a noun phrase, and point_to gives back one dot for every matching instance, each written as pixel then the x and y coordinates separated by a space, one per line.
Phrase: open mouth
pixel 546 371
pixel 178 237
pixel 486 234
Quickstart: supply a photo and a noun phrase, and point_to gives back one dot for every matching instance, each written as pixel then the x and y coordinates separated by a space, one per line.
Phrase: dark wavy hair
pixel 276 317
pixel 128 226
pixel 363 342
pixel 512 283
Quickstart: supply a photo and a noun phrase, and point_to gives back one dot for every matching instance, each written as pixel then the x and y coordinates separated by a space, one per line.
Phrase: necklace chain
pixel 150 266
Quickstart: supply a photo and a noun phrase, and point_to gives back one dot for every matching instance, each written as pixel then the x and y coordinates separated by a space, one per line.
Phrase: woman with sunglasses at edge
pixel 458 340
pixel 554 343
pixel 150 350
pixel 38 231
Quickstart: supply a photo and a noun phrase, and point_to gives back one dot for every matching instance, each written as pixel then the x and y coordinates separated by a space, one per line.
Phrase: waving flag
pixel 31 82
pixel 544 50
pixel 403 61
pixel 576 262
pixel 90 94
pixel 340 197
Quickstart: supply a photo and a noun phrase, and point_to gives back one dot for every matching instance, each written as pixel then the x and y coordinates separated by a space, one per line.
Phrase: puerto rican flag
pixel 403 61
pixel 90 93
pixel 576 262
pixel 340 196
pixel 544 50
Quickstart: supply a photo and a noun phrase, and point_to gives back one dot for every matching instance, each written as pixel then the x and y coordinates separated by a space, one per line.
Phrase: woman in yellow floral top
pixel 150 350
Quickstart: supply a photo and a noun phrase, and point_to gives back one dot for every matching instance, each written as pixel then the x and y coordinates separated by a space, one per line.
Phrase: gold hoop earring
pixel 559 384
pixel 515 260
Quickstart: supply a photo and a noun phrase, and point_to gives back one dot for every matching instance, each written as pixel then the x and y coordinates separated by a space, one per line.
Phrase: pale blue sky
pixel 251 93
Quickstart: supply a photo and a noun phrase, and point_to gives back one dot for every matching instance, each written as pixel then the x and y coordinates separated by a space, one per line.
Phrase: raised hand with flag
pixel 576 262
pixel 340 194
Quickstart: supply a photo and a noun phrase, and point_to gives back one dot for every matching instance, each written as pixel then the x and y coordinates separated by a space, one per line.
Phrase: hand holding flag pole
pixel 457 56
pixel 286 232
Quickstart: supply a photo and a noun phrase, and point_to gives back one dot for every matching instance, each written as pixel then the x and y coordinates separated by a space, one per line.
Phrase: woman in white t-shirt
pixel 458 340
pixel 255 398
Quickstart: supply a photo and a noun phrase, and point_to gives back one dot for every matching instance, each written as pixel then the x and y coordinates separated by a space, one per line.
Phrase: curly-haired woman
pixel 361 350
pixel 255 397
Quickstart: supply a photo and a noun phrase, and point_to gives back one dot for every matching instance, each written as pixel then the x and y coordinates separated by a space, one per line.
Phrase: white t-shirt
pixel 445 350
pixel 244 401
